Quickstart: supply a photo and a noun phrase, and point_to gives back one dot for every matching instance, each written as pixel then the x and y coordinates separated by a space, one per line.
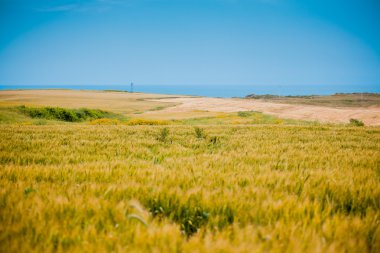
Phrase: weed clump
pixel 244 114
pixel 356 122
pixel 163 135
pixel 199 133
pixel 28 190
pixel 190 216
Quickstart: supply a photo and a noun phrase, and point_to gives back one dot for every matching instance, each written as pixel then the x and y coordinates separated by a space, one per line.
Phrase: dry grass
pixel 370 115
pixel 169 107
pixel 238 189
pixel 336 100
pixel 225 182
pixel 118 102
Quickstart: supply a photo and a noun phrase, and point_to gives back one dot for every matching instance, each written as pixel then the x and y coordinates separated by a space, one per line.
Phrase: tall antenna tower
pixel 132 87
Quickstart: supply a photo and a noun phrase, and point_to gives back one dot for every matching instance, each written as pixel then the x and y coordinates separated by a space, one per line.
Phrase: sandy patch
pixel 370 116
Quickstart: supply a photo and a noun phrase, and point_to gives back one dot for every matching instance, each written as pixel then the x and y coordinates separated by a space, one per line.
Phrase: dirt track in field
pixel 370 115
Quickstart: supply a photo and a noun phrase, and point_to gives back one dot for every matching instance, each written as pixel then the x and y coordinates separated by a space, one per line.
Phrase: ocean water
pixel 216 90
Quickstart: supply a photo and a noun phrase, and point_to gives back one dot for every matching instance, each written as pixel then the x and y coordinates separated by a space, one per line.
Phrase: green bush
pixel 356 122
pixel 63 114
pixel 163 134
pixel 199 133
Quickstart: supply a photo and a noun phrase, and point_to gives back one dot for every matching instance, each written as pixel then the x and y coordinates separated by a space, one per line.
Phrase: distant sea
pixel 216 90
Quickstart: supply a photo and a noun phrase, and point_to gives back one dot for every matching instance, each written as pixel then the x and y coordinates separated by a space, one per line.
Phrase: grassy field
pixel 115 101
pixel 26 115
pixel 336 100
pixel 236 182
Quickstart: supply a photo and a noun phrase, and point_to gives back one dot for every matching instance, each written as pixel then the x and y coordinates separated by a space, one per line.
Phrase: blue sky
pixel 213 42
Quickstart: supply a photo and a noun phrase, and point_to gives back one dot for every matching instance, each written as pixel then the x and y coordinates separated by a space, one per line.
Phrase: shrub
pixel 163 134
pixel 199 133
pixel 356 122
pixel 90 113
pixel 64 114
pixel 69 115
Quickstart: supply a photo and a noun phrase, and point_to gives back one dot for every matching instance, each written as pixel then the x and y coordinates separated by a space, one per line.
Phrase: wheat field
pixel 176 188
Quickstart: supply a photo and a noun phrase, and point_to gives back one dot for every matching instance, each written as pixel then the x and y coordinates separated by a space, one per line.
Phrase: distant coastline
pixel 224 91
pixel 354 99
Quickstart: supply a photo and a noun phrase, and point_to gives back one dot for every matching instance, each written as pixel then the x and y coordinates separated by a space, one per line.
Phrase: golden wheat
pixel 238 189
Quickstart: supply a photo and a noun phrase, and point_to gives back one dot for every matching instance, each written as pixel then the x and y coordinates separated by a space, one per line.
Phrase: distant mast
pixel 132 87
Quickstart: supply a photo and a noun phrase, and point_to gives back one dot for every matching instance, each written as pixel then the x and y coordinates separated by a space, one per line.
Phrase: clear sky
pixel 266 42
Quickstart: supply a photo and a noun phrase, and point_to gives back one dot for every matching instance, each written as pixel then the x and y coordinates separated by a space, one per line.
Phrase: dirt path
pixel 370 116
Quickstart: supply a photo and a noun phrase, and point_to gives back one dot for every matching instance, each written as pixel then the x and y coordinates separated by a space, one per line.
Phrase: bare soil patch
pixel 369 115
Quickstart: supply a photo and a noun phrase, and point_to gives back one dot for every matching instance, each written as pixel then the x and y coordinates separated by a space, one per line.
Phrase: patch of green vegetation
pixel 163 134
pixel 356 122
pixel 64 114
pixel 191 216
pixel 199 133
pixel 245 114
pixel 53 115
